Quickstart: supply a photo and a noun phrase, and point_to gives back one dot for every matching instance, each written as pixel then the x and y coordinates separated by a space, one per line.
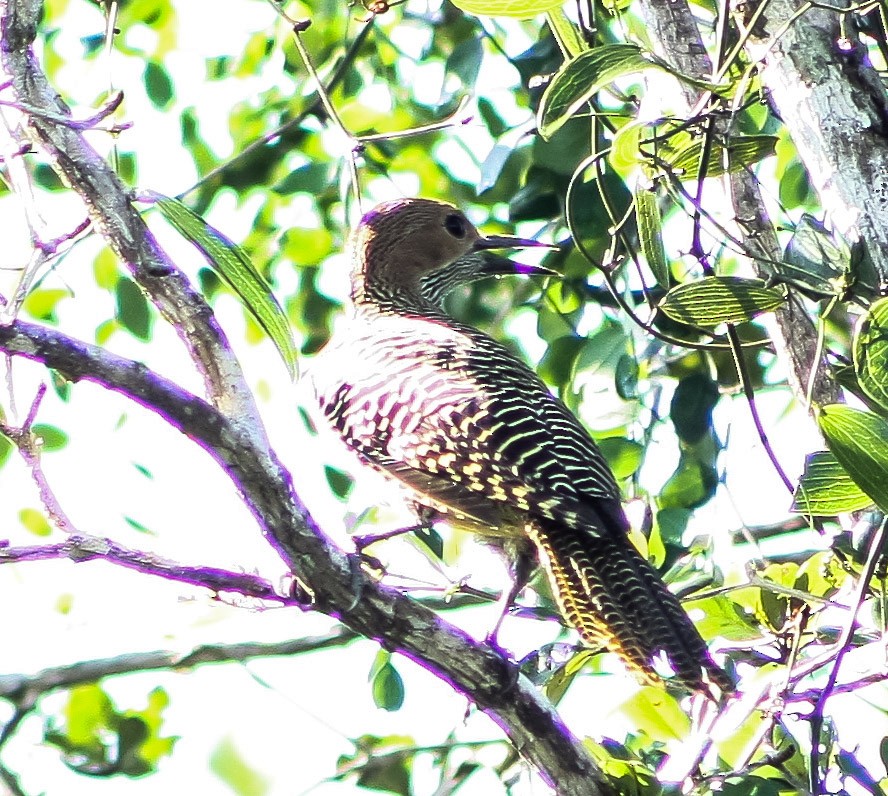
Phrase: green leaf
pixel 650 234
pixel 340 482
pixel 740 153
pixel 857 439
pixel 432 540
pixel 386 684
pixel 623 455
pixel 825 488
pixel 578 80
pixel 626 377
pixel 871 353
pixel 35 522
pixel 51 437
pixel 133 311
pixel 565 31
pixel 382 764
pixel 136 525
pixel 464 62
pixel 691 485
pixel 227 763
pixel 749 786
pixel 658 714
pixel 519 9
pixel 87 712
pixel 233 265
pixel 6 448
pixel 41 303
pixel 719 299
pixel 158 85
pixel 691 407
pixel 816 261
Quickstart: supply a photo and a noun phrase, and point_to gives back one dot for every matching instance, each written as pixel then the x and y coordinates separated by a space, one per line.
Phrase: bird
pixel 478 438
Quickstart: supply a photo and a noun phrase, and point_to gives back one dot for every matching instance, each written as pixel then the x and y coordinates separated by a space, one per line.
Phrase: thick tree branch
pixel 82 547
pixel 49 126
pixel 835 107
pixel 676 38
pixel 230 430
pixel 338 587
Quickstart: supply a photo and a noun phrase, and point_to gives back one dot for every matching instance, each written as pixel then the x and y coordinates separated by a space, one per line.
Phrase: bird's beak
pixel 497 265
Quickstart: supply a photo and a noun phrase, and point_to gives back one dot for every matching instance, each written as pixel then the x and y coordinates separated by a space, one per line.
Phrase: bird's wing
pixel 474 430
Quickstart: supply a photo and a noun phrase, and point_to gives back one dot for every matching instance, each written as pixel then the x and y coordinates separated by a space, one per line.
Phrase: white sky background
pixel 292 731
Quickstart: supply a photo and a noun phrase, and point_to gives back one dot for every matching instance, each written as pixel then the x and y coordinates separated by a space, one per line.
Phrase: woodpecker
pixel 472 431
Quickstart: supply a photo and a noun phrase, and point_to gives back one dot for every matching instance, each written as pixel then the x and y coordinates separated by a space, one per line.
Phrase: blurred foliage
pixel 536 121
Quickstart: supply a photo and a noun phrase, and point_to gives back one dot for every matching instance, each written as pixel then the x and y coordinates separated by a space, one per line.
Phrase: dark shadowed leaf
pixel 133 310
pixel 158 85
pixel 340 482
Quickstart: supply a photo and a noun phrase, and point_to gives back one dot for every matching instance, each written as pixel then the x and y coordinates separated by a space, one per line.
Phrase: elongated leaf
pixel 580 78
pixel 650 232
pixel 720 299
pixel 858 440
pixel 825 488
pixel 233 265
pixel 742 151
pixel 519 9
pixel 871 353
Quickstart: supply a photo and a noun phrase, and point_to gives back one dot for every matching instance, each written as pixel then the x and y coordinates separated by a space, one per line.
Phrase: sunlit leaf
pixel 871 353
pixel 741 152
pixel 825 488
pixel 720 299
pixel 857 439
pixel 35 522
pixel 227 763
pixel 237 270
pixel 386 683
pixel 650 234
pixel 520 9
pixel 623 455
pixel 582 77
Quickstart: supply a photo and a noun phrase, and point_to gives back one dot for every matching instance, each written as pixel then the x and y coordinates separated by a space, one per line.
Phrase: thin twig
pixel 749 392
pixel 82 547
pixel 842 647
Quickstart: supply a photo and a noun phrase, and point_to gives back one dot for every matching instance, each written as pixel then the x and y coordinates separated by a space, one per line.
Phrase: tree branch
pixel 49 126
pixel 337 586
pixel 835 107
pixel 676 38
pixel 25 689
pixel 84 547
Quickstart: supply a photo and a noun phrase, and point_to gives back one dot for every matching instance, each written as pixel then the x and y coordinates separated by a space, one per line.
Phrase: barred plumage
pixel 452 414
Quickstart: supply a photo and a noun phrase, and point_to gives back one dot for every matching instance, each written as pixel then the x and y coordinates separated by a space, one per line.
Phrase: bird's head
pixel 425 248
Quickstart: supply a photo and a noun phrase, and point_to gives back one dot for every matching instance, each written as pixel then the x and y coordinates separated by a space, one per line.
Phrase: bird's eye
pixel 455 225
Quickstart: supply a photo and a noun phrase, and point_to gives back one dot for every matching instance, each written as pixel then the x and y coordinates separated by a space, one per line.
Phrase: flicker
pixel 477 437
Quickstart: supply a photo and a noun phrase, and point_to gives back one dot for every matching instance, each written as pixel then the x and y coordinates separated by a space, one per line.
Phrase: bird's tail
pixel 615 598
